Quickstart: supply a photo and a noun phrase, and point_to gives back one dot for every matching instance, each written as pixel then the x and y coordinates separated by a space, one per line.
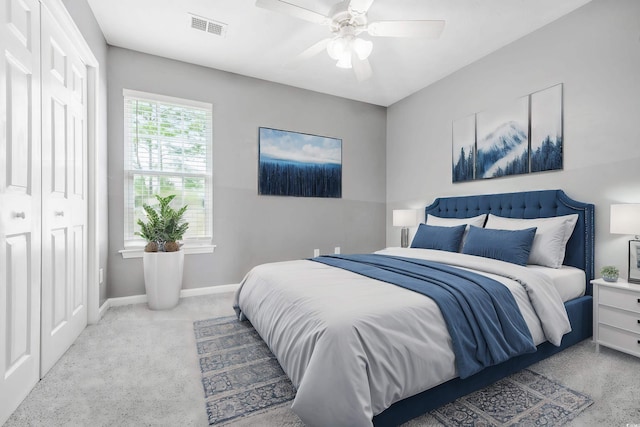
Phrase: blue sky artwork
pixel 299 165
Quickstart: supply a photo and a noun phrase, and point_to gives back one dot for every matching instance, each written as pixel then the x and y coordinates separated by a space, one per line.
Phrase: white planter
pixel 163 278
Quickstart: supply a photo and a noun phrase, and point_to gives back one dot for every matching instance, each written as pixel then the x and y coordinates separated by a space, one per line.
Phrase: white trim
pixel 184 293
pixel 104 307
pixel 188 250
pixel 221 289
pixel 69 27
pixel 168 99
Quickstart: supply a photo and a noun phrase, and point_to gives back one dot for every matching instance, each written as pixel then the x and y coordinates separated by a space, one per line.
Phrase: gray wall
pixel 249 229
pixel 82 15
pixel 595 52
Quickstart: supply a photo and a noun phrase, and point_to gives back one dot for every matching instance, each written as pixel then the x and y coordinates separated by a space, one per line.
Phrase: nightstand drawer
pixel 620 298
pixel 621 319
pixel 619 339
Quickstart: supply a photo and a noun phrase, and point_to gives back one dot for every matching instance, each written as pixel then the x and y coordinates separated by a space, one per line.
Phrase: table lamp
pixel 625 219
pixel 404 218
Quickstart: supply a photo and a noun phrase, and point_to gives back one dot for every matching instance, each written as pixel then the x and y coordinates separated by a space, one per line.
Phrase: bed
pixel 362 351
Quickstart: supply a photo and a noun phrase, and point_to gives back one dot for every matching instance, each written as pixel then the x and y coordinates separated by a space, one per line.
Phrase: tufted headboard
pixel 531 204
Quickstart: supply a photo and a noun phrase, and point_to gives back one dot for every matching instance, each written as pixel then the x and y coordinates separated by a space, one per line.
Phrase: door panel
pixel 64 204
pixel 20 202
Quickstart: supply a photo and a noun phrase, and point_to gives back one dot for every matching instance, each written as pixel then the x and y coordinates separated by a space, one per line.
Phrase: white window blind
pixel 167 151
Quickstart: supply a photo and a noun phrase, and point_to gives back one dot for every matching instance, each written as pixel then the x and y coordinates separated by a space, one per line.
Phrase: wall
pixel 595 52
pixel 82 15
pixel 249 229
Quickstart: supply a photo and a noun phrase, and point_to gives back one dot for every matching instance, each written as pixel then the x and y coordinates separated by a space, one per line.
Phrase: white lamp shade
pixel 625 219
pixel 405 217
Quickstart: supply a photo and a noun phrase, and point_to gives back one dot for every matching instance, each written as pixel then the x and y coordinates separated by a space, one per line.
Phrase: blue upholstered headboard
pixel 531 204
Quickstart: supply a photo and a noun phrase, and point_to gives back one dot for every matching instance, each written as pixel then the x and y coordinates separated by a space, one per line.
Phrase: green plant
pixel 164 226
pixel 609 271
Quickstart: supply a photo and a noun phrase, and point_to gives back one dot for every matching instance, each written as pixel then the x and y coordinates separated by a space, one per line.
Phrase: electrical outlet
pixel 336 250
pixel 101 274
pixel 316 252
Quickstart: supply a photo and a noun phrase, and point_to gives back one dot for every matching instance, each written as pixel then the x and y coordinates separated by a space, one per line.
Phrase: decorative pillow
pixel 441 238
pixel 506 245
pixel 477 221
pixel 551 239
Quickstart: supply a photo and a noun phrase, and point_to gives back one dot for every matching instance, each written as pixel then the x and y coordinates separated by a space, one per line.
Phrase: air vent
pixel 207 25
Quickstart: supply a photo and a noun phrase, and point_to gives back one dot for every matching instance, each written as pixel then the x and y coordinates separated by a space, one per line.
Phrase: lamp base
pixel 404 237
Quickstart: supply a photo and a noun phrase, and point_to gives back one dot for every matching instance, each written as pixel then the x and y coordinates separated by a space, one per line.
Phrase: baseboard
pixel 184 293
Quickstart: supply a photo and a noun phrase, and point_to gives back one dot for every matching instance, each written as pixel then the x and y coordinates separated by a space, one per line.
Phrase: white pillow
pixel 551 237
pixel 477 221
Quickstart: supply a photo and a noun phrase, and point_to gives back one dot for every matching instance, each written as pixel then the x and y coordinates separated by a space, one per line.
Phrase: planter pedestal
pixel 163 278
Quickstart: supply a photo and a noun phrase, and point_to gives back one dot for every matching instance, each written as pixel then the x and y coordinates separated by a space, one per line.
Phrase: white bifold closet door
pixel 19 201
pixel 43 197
pixel 64 198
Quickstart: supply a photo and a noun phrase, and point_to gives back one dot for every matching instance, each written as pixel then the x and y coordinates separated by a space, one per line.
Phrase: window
pixel 167 151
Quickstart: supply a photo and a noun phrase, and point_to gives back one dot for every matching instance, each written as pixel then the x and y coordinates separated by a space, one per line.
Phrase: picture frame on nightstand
pixel 634 261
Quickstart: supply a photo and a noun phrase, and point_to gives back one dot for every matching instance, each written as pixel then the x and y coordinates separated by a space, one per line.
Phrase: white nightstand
pixel 616 315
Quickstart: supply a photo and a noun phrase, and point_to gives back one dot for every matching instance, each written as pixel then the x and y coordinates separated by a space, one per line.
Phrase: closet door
pixel 19 201
pixel 64 201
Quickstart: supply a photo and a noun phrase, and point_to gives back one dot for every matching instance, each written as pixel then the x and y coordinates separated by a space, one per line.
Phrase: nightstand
pixel 616 315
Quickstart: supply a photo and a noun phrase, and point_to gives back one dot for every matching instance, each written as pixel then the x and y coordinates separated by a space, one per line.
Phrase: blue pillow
pixel 506 245
pixel 441 238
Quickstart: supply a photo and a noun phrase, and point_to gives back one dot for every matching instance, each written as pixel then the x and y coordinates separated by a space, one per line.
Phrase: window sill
pixel 188 250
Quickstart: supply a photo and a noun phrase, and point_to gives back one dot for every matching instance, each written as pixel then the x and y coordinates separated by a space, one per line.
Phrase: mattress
pixel 570 282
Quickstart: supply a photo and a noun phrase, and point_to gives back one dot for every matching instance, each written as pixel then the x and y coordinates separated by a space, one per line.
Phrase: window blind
pixel 168 151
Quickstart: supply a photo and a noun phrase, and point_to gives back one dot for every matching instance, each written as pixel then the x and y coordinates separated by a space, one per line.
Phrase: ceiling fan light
pixel 362 48
pixel 344 61
pixel 336 48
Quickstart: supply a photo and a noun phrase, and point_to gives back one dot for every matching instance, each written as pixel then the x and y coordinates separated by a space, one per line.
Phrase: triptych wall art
pixel 519 137
pixel 298 164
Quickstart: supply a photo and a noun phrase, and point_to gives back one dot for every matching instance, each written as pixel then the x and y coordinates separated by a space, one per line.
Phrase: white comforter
pixel 353 346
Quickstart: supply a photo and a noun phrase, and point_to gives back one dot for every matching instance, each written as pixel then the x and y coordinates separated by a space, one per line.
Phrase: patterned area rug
pixel 522 399
pixel 241 378
pixel 240 375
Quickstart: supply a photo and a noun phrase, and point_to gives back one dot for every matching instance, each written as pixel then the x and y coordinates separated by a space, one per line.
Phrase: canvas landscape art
pixel 519 137
pixel 299 164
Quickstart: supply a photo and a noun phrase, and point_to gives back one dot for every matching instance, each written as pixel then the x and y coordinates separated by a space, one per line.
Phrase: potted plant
pixel 163 260
pixel 609 273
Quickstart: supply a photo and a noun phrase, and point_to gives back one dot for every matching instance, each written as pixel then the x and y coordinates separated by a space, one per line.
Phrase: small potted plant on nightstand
pixel 609 273
pixel 163 260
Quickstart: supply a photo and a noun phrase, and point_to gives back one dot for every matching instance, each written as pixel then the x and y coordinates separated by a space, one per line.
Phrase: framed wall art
pixel 546 129
pixel 464 140
pixel 518 137
pixel 634 261
pixel 503 140
pixel 298 164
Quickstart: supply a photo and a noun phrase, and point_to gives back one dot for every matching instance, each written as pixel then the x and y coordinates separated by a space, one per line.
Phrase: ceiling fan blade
pixel 359 7
pixel 310 52
pixel 361 67
pixel 427 29
pixel 293 10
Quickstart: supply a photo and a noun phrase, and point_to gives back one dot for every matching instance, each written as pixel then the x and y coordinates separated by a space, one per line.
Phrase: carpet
pixel 241 378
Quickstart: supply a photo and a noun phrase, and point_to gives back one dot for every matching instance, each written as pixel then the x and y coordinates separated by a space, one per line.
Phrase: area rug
pixel 241 378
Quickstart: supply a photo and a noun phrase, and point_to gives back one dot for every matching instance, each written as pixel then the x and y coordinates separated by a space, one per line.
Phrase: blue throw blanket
pixel 481 314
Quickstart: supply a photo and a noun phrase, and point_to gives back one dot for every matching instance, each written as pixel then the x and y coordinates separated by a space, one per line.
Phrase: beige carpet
pixel 136 368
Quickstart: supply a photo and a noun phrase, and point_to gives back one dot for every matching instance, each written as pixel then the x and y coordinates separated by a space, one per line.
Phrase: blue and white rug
pixel 240 375
pixel 242 378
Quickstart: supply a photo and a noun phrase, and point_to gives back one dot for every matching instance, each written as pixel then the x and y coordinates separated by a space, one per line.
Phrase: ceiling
pixel 259 42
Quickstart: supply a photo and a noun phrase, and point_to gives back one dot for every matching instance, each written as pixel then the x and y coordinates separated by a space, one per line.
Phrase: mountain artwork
pixel 497 142
pixel 503 140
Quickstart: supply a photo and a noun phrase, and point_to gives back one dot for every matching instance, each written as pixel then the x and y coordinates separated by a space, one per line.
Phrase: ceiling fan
pixel 347 21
